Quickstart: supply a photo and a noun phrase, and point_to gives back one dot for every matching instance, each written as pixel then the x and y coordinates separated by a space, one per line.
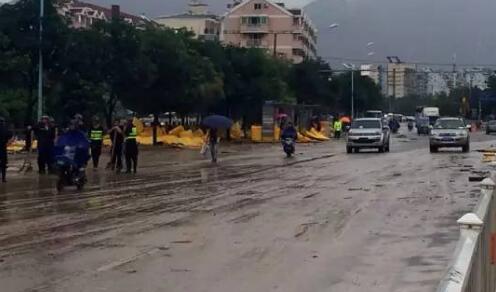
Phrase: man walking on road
pixel 96 140
pixel 45 135
pixel 131 148
pixel 5 137
pixel 117 138
pixel 213 140
pixel 338 127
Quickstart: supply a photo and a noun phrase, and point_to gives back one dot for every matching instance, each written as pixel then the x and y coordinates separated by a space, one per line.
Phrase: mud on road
pixel 323 221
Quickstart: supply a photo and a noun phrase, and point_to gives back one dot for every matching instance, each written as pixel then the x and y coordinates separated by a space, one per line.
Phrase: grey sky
pixel 418 30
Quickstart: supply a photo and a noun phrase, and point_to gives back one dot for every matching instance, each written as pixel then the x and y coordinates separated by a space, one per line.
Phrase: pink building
pixel 286 33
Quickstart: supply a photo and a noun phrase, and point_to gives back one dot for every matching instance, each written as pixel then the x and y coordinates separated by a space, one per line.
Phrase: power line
pixel 348 59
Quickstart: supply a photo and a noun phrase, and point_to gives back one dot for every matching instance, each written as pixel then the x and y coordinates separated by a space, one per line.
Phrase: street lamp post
pixel 351 67
pixel 40 64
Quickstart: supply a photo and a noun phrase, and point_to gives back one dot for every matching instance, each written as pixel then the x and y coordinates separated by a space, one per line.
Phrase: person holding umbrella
pixel 5 137
pixel 214 123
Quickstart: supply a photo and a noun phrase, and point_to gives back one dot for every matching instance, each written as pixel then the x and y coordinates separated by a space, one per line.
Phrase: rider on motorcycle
pixel 394 125
pixel 289 132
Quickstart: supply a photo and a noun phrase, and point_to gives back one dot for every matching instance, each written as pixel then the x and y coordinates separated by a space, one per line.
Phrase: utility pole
pixel 454 71
pixel 352 93
pixel 40 62
pixel 394 90
pixel 275 44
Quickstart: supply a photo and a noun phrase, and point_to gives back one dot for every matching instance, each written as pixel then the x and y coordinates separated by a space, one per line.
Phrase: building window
pixel 258 6
pixel 254 20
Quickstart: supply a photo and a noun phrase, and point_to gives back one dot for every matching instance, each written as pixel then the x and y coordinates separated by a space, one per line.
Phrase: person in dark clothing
pixel 117 138
pixel 45 135
pixel 289 132
pixel 213 140
pixel 29 138
pixel 5 137
pixel 131 148
pixel 95 135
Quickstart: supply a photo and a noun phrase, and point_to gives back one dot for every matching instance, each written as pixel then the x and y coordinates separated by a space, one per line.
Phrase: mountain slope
pixel 414 30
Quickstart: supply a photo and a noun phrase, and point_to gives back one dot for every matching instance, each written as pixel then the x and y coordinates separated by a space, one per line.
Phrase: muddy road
pixel 322 221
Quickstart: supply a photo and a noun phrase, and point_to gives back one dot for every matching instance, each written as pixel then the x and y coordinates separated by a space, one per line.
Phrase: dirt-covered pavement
pixel 323 221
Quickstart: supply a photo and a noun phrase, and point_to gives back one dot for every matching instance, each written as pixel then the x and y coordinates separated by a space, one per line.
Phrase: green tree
pixel 309 82
pixel 19 22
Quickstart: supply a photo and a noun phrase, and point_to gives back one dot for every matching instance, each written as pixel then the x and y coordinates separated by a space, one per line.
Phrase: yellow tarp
pixel 139 125
pixel 303 139
pixel 186 134
pixel 176 131
pixel 199 133
pixel 313 134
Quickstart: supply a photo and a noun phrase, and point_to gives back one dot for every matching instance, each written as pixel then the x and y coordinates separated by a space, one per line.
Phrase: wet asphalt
pixel 256 221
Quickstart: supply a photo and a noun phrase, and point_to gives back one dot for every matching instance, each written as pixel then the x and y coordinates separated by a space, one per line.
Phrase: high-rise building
pixel 286 33
pixel 401 79
pixel 198 20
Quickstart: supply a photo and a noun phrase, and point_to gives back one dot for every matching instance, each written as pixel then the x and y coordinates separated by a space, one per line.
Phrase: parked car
pixel 491 127
pixel 368 133
pixel 449 132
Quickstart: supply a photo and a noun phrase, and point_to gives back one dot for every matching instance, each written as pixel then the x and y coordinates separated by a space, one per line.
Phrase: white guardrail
pixel 473 267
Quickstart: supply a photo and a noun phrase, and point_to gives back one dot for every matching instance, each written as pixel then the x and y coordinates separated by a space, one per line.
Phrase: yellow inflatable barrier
pixel 186 134
pixel 198 133
pixel 176 131
pixel 256 133
pixel 236 133
pixel 303 139
pixel 313 134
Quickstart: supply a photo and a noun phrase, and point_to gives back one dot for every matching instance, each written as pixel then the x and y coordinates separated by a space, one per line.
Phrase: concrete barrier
pixel 473 267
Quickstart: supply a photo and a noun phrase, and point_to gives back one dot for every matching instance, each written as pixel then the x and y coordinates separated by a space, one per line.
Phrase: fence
pixel 473 268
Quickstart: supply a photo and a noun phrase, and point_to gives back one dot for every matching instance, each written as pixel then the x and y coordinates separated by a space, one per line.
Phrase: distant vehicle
pixel 410 118
pixel 374 114
pixel 449 132
pixel 425 117
pixel 366 133
pixel 491 127
pixel 432 113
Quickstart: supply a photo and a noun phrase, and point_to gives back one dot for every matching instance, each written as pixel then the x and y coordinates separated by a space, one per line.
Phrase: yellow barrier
pixel 256 133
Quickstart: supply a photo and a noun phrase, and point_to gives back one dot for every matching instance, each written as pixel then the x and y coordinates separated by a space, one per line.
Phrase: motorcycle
pixel 69 173
pixel 71 156
pixel 288 145
pixel 410 126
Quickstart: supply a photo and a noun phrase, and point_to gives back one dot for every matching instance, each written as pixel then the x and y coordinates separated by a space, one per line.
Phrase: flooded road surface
pixel 322 221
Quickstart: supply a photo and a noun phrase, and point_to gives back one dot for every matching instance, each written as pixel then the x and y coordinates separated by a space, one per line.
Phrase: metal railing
pixel 473 267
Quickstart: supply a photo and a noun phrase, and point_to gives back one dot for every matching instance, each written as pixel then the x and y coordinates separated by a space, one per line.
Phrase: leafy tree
pixel 19 22
pixel 367 94
pixel 309 84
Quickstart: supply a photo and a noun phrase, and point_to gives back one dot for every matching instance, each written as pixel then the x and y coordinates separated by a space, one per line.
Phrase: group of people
pixel 122 135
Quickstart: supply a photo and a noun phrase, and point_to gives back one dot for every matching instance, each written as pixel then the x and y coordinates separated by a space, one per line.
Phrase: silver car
pixel 368 133
pixel 449 132
pixel 491 127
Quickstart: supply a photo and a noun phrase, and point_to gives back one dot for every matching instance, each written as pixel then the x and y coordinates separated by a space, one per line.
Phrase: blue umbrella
pixel 217 122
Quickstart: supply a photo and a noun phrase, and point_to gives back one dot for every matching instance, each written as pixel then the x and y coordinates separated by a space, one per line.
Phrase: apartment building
pixel 84 15
pixel 401 79
pixel 286 33
pixel 204 25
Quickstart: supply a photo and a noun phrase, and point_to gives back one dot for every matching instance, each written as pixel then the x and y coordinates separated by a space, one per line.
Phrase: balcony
pixel 255 43
pixel 254 28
